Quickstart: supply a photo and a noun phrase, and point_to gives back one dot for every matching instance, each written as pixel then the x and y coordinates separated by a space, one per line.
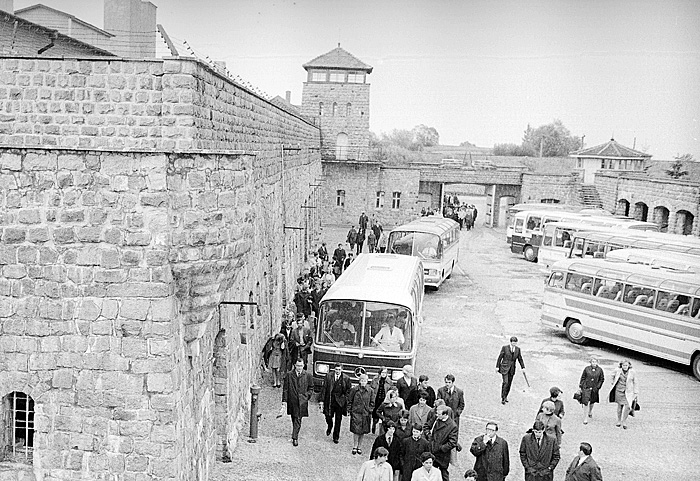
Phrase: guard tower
pixel 336 96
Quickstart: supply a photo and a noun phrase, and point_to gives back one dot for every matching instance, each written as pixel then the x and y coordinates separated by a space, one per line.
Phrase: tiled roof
pixel 610 149
pixel 338 58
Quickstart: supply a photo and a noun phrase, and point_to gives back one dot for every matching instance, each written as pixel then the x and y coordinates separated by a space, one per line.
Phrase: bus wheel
pixel 695 364
pixel 529 254
pixel 574 331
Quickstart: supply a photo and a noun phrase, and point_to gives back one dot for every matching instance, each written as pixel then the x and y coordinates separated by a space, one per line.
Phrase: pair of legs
pixel 359 248
pixel 623 410
pixel 333 421
pixel 296 426
pixel 357 443
pixel 443 470
pixel 505 387
pixel 587 412
pixel 276 377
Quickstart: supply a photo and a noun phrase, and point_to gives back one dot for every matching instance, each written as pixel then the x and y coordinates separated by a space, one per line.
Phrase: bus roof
pixel 601 224
pixel 431 224
pixel 377 278
pixel 687 282
pixel 668 259
pixel 539 206
pixel 644 239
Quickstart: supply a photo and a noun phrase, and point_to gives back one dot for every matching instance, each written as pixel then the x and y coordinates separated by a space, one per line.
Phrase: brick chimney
pixel 288 96
pixel 133 22
pixel 7 6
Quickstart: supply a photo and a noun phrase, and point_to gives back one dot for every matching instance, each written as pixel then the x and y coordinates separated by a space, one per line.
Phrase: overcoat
pixel 410 455
pixel 394 450
pixel 443 437
pixel 296 393
pixel 590 383
pixel 552 425
pixel 539 459
pixel 632 388
pixel 360 405
pixel 588 471
pixel 338 392
pixel 405 388
pixel 454 400
pixel 492 462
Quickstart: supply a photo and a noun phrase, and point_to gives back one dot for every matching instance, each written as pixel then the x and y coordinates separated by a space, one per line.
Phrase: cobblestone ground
pixel 466 322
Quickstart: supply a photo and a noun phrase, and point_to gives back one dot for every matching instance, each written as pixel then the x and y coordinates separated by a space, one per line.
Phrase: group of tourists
pixel 371 232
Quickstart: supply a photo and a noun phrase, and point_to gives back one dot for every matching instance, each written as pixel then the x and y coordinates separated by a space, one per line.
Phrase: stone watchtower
pixel 336 96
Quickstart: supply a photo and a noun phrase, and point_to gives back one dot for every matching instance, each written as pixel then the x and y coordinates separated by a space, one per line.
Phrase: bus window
pixel 577 250
pixel 695 311
pixel 534 223
pixel 674 303
pixel 639 296
pixel 562 237
pixel 401 243
pixel 427 246
pixel 595 249
pixel 579 283
pixel 519 226
pixel 556 280
pixel 607 289
pixel 386 327
pixel 341 322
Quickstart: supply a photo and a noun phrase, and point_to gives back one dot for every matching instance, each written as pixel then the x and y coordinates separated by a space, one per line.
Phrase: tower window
pixel 320 108
pixel 356 78
pixel 337 77
pixel 335 109
pixel 318 76
pixel 348 110
pixel 380 200
pixel 396 200
pixel 18 429
pixel 340 198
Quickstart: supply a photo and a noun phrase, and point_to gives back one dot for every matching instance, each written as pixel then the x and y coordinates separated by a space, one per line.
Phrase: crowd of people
pixel 417 429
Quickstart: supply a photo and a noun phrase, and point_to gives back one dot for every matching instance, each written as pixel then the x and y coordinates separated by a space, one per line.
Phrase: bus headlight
pixel 322 368
pixel 432 272
pixel 396 375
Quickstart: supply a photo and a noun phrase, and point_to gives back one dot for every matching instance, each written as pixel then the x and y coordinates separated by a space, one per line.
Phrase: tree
pixel 676 171
pixel 553 140
pixel 513 150
pixel 399 137
pixel 425 136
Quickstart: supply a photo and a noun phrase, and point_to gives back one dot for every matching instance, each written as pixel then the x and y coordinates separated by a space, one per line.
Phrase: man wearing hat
pixel 555 397
pixel 505 364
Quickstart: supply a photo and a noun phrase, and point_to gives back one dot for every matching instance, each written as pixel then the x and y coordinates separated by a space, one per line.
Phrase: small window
pixel 534 223
pixel 579 163
pixel 549 201
pixel 348 110
pixel 608 289
pixel 674 303
pixel 579 283
pixel 18 411
pixel 337 77
pixel 556 280
pixel 396 200
pixel 639 296
pixel 356 78
pixel 320 108
pixel 318 76
pixel 602 163
pixel 380 200
pixel 335 109
pixel 340 198
pixel 519 226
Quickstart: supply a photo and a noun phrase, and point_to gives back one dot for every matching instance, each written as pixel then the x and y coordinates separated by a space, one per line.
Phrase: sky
pixel 476 70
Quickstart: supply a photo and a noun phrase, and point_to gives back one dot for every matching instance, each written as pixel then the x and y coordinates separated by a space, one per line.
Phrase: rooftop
pixel 609 150
pixel 338 58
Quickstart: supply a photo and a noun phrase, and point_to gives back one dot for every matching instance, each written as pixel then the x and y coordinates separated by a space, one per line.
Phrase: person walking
pixel 363 222
pixel 539 454
pixel 555 397
pixel 360 405
pixel 300 340
pixel 338 260
pixel 371 241
pixel 351 238
pixel 380 385
pixel 625 392
pixel 492 456
pixel 552 423
pixel 418 414
pixel 390 409
pixel 297 390
pixel 334 400
pixel 443 435
pixel 583 467
pixel 391 443
pixel 323 252
pixel 453 396
pixel 411 450
pixel 592 379
pixel 406 384
pixel 422 387
pixel 278 358
pixel 427 471
pixel 376 469
pixel 360 240
pixel 505 364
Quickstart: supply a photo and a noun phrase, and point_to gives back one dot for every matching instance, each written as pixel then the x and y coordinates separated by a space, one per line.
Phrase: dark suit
pixel 415 394
pixel 454 400
pixel 506 366
pixel 394 450
pixel 444 435
pixel 300 341
pixel 323 253
pixel 405 389
pixel 539 458
pixel 588 471
pixel 334 395
pixel 492 460
pixel 410 455
pixel 296 393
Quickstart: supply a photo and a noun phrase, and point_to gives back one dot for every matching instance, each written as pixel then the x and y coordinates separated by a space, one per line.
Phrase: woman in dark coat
pixel 380 385
pixel 360 405
pixel 391 443
pixel 403 428
pixel 592 380
pixel 391 408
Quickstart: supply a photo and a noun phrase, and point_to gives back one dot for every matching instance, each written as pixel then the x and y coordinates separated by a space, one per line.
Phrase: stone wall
pixel 562 187
pixel 114 261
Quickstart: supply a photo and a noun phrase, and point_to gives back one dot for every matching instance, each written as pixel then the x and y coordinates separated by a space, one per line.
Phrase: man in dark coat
pixel 338 260
pixel 539 454
pixel 505 364
pixel 444 435
pixel 407 384
pixel 422 387
pixel 364 220
pixel 411 449
pixel 360 239
pixel 584 467
pixel 300 341
pixel 377 228
pixel 323 252
pixel 554 396
pixel 352 238
pixel 334 400
pixel 297 390
pixel 492 456
pixel 453 396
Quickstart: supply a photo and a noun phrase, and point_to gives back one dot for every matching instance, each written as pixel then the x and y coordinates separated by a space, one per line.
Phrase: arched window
pixel 341 146
pixel 18 430
pixel 641 211
pixel 684 222
pixel 348 109
pixel 320 108
pixel 661 217
pixel 335 109
pixel 623 207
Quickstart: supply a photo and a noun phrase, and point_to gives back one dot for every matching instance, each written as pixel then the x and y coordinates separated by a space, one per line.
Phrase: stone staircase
pixel 588 196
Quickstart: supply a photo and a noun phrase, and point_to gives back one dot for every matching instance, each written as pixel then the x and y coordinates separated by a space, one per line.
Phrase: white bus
pixel 558 237
pixel 514 209
pixel 639 307
pixel 434 240
pixel 598 244
pixel 656 258
pixel 370 317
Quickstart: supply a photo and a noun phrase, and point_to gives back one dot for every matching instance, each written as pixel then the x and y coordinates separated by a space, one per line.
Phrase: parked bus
pixel 558 236
pixel 598 244
pixel 657 259
pixel 514 209
pixel 370 317
pixel 434 240
pixel 638 307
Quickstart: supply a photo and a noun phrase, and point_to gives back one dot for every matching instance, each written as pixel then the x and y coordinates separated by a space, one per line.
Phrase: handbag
pixel 634 407
pixel 577 396
pixel 611 396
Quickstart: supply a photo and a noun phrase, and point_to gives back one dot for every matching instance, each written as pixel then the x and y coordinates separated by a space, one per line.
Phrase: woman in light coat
pixel 625 391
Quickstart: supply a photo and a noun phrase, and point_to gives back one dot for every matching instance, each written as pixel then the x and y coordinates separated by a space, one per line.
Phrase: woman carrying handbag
pixel 624 392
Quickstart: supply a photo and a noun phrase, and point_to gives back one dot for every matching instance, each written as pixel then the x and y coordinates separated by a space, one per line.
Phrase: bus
pixel 558 236
pixel 370 318
pixel 514 209
pixel 650 310
pixel 434 240
pixel 598 244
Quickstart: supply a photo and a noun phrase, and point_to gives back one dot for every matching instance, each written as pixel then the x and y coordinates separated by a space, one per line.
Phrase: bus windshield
pixel 419 244
pixel 368 325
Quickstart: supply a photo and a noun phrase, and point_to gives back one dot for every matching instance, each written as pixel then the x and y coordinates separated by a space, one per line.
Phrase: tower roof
pixel 610 150
pixel 338 58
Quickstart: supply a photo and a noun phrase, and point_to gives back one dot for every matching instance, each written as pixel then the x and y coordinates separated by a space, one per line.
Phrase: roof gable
pixel 338 58
pixel 39 6
pixel 610 149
